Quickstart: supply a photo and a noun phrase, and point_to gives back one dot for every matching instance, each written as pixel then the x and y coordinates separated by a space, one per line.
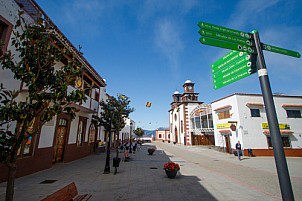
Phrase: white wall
pixel 249 129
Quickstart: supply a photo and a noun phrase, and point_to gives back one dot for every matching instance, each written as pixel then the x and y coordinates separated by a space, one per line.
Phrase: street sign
pixel 281 50
pixel 224 37
pixel 230 80
pixel 204 25
pixel 240 56
pixel 233 71
pixel 232 46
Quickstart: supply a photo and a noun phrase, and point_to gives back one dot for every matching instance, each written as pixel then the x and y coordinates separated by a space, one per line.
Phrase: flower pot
pixel 171 173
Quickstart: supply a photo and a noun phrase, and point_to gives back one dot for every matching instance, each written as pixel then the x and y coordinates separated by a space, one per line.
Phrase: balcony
pixel 88 106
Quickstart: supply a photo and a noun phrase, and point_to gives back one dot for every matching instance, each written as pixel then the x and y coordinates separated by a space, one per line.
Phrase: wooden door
pixel 176 135
pixel 59 144
pixel 228 144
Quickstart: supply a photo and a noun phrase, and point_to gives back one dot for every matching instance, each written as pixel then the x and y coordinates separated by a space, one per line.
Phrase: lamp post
pixel 107 166
pixel 130 151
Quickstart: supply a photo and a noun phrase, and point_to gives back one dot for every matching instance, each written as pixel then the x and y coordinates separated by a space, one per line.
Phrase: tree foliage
pixel 118 115
pixel 139 132
pixel 36 65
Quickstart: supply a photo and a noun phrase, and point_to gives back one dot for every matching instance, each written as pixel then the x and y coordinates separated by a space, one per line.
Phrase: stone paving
pixel 205 175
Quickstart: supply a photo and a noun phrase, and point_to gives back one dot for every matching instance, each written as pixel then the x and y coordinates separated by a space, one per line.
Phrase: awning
pixel 283 132
pixel 255 104
pixel 225 131
pixel 220 108
pixel 287 105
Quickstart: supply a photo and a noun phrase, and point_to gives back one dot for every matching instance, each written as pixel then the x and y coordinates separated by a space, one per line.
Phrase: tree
pixel 38 52
pixel 113 118
pixel 139 132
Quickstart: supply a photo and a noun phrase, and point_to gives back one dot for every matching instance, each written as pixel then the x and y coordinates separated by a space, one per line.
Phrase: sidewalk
pixel 142 178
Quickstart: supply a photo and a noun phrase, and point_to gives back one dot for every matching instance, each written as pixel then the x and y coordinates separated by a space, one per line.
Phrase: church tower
pixel 176 99
pixel 189 96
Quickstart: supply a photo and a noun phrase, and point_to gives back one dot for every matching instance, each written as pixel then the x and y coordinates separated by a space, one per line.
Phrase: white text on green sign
pixel 237 56
pixel 225 37
pixel 241 61
pixel 281 50
pixel 225 30
pixel 239 76
pixel 227 45
pixel 231 72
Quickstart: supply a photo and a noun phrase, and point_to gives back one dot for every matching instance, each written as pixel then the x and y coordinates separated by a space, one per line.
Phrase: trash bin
pixel 116 162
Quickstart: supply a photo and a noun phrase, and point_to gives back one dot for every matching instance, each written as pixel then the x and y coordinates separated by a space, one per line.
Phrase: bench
pixel 67 193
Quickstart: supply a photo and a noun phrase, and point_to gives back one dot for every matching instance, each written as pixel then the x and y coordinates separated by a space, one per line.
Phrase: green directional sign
pixel 232 66
pixel 230 80
pixel 240 56
pixel 224 37
pixel 281 50
pixel 212 27
pixel 233 71
pixel 227 45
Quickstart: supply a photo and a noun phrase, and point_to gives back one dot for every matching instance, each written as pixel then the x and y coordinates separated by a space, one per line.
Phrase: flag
pixel 123 96
pixel 199 111
pixel 177 109
pixel 148 104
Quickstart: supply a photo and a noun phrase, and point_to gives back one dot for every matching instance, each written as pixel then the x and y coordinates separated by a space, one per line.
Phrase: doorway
pixel 92 138
pixel 60 139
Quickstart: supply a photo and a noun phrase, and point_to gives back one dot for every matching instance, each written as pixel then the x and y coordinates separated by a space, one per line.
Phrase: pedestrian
pixel 238 148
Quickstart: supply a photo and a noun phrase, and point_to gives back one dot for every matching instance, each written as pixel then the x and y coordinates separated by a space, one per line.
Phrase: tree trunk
pixel 10 181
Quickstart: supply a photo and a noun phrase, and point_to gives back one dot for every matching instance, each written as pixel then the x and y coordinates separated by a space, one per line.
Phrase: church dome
pixel 188 81
pixel 176 92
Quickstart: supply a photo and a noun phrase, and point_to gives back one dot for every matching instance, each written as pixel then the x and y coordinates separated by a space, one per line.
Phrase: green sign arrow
pixel 281 50
pixel 233 71
pixel 224 37
pixel 238 58
pixel 239 76
pixel 227 45
pixel 224 30
pixel 239 62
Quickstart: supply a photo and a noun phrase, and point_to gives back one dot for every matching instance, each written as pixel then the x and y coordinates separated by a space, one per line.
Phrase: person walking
pixel 238 148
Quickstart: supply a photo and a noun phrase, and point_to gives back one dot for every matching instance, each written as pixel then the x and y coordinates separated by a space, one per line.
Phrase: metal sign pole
pixel 280 160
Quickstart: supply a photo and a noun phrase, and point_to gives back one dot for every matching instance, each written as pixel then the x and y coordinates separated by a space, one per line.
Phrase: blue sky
pixel 146 49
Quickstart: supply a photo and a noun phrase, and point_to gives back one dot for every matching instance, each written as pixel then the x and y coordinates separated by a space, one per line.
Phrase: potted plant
pixel 171 169
pixel 151 150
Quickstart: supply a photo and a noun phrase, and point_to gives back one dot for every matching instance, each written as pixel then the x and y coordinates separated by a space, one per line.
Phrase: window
pixel 285 141
pixel 27 147
pixel 159 135
pixel 81 131
pixel 5 32
pixel 175 117
pixel 293 113
pixel 97 96
pixel 181 127
pixel 224 115
pixel 255 112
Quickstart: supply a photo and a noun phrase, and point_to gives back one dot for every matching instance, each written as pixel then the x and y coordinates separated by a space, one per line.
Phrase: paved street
pixel 205 174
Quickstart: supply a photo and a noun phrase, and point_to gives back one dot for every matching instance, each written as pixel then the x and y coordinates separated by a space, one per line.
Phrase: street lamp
pixel 130 151
pixel 107 166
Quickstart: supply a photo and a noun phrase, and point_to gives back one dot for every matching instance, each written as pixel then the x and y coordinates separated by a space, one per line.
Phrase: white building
pixel 124 134
pixel 181 107
pixel 242 117
pixel 62 139
pixel 163 135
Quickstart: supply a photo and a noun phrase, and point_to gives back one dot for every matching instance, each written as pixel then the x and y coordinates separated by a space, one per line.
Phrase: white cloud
pixel 247 11
pixel 168 40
